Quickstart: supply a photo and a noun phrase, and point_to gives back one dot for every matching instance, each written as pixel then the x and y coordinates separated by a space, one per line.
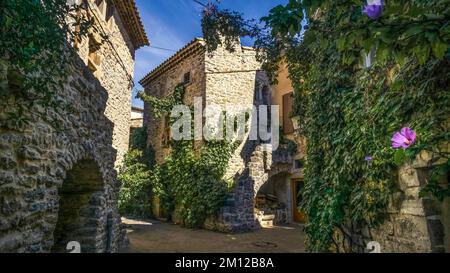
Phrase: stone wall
pixel 233 78
pixel 35 162
pixel 413 224
pixel 136 123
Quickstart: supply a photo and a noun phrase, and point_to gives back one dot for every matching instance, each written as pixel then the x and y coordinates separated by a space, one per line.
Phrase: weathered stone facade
pixel 61 186
pixel 115 72
pixel 137 119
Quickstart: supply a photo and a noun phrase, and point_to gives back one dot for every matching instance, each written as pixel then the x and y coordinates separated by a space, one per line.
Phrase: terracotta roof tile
pixel 181 54
pixel 132 21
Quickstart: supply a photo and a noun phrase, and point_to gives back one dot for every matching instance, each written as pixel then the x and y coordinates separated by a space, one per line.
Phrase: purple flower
pixel 374 8
pixel 404 138
pixel 368 158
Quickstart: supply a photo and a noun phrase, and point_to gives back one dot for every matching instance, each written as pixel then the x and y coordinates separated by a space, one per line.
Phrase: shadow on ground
pixel 157 236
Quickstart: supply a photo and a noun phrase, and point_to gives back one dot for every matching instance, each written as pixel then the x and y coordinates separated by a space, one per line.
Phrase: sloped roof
pixel 180 55
pixel 132 21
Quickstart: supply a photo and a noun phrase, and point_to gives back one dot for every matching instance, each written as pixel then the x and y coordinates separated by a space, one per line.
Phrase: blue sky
pixel 171 24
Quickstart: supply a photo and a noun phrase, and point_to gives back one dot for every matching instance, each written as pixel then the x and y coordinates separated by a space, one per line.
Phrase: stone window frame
pixel 101 6
pixel 187 78
pixel 106 10
pixel 287 102
pixel 94 57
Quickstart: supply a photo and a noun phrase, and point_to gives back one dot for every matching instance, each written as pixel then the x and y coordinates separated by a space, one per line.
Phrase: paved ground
pixel 156 236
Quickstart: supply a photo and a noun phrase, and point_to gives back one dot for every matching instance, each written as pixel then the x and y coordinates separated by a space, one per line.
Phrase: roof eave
pixel 132 21
pixel 178 55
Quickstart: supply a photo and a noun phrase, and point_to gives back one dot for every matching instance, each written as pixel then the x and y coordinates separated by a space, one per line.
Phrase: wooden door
pixel 297 197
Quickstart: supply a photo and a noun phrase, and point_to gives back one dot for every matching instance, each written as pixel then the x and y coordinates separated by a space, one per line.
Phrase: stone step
pixel 266 223
pixel 268 217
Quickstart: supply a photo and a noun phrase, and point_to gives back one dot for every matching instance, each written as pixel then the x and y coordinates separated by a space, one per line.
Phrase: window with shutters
pixel 94 60
pixel 288 127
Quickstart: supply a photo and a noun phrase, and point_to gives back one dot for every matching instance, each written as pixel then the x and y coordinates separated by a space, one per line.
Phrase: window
pixel 187 78
pixel 94 59
pixel 109 11
pixel 288 126
pixel 77 37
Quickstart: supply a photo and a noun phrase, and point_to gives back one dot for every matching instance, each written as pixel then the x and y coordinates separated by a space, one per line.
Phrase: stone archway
pixel 272 204
pixel 80 208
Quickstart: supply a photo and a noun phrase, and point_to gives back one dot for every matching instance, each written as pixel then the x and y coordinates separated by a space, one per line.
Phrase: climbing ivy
pixel 190 182
pixel 35 38
pixel 135 196
pixel 349 112
pixel 135 192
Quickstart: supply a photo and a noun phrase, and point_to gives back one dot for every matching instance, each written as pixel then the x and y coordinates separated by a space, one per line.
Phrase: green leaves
pixel 190 183
pixel 135 192
pixel 34 39
pixel 399 157
pixel 351 113
pixel 439 48
pixel 435 187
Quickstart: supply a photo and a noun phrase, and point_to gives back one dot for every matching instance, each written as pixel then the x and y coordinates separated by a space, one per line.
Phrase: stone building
pixel 263 188
pixel 61 186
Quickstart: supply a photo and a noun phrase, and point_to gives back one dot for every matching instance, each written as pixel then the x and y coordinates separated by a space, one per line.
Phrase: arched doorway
pixel 80 208
pixel 273 201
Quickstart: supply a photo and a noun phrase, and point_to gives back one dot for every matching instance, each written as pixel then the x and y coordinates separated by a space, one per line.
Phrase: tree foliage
pixel 135 196
pixel 349 111
pixel 135 192
pixel 35 49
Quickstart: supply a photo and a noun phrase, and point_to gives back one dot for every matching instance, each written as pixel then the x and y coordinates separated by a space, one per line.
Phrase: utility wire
pixel 117 55
pixel 162 48
pixel 200 3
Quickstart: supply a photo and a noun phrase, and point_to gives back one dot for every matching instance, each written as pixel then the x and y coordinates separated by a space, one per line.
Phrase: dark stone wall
pixel 36 158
